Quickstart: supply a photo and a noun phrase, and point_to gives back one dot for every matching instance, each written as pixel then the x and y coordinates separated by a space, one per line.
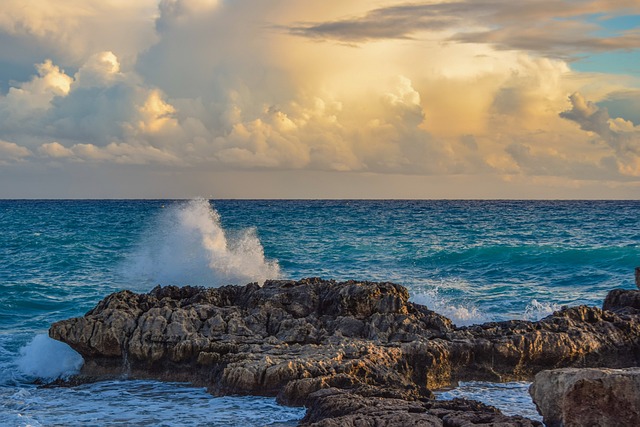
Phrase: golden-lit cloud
pixel 443 89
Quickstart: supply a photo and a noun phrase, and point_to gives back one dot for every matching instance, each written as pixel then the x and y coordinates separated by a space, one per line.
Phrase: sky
pixel 471 99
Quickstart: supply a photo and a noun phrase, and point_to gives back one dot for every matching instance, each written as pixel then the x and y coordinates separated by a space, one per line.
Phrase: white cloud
pixel 37 93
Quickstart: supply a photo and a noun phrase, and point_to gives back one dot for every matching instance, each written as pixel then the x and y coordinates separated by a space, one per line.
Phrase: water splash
pixel 460 315
pixel 189 246
pixel 536 310
pixel 48 359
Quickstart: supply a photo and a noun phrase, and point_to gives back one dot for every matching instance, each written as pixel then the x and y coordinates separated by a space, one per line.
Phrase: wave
pixel 48 359
pixel 188 246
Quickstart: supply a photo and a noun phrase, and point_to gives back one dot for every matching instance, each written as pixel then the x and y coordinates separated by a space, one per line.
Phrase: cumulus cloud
pixel 620 134
pixel 37 93
pixel 55 150
pixel 72 30
pixel 210 85
pixel 10 151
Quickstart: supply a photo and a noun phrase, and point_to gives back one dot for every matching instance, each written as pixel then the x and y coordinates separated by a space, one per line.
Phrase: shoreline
pixel 314 341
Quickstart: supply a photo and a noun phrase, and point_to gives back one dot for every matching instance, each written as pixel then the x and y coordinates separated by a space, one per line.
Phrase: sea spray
pixel 187 245
pixel 48 359
pixel 536 310
pixel 460 315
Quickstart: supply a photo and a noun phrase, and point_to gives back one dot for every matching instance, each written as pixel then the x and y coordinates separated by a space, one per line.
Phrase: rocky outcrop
pixel 285 338
pixel 291 339
pixel 336 408
pixel 588 397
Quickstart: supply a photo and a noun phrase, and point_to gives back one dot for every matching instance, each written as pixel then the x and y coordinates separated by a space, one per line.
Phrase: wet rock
pixel 588 397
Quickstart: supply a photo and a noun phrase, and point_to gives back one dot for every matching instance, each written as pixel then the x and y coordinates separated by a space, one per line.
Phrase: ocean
pixel 473 261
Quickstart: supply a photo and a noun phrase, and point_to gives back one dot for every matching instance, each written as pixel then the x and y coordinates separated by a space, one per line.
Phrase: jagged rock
pixel 287 338
pixel 290 339
pixel 336 408
pixel 622 300
pixel 588 397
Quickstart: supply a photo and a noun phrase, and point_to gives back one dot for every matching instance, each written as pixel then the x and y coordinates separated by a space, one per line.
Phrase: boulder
pixel 573 397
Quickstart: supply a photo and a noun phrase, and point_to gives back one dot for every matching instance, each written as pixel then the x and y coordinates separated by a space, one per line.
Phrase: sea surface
pixel 473 261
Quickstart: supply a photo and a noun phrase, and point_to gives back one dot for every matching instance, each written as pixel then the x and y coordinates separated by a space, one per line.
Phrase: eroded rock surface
pixel 292 338
pixel 336 408
pixel 588 397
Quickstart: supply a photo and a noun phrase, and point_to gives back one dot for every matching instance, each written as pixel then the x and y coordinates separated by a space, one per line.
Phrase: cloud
pixel 446 89
pixel 37 93
pixel 55 150
pixel 72 30
pixel 554 28
pixel 395 22
pixel 620 134
pixel 10 151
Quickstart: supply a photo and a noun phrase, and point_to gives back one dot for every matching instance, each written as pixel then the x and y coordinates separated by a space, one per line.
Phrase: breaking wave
pixel 188 246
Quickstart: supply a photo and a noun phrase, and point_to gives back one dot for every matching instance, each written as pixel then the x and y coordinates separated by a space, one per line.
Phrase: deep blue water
pixel 472 260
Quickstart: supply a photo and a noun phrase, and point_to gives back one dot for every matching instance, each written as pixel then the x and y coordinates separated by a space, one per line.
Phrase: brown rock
pixel 336 408
pixel 622 300
pixel 588 397
pixel 291 339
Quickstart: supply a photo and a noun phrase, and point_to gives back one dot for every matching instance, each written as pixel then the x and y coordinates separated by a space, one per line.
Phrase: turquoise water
pixel 472 260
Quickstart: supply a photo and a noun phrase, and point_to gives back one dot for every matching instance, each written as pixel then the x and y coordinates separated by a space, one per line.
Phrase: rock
pixel 588 397
pixel 285 338
pixel 622 300
pixel 336 408
pixel 638 277
pixel 291 339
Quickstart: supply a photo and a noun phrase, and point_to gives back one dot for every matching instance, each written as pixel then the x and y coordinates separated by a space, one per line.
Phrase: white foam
pixel 537 310
pixel 460 315
pixel 189 246
pixel 48 359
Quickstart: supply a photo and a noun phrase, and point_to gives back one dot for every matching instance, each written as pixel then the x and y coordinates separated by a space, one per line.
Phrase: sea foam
pixel 188 246
pixel 460 315
pixel 48 359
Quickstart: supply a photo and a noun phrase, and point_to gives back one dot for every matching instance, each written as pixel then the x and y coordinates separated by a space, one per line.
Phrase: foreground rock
pixel 588 397
pixel 290 339
pixel 336 408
